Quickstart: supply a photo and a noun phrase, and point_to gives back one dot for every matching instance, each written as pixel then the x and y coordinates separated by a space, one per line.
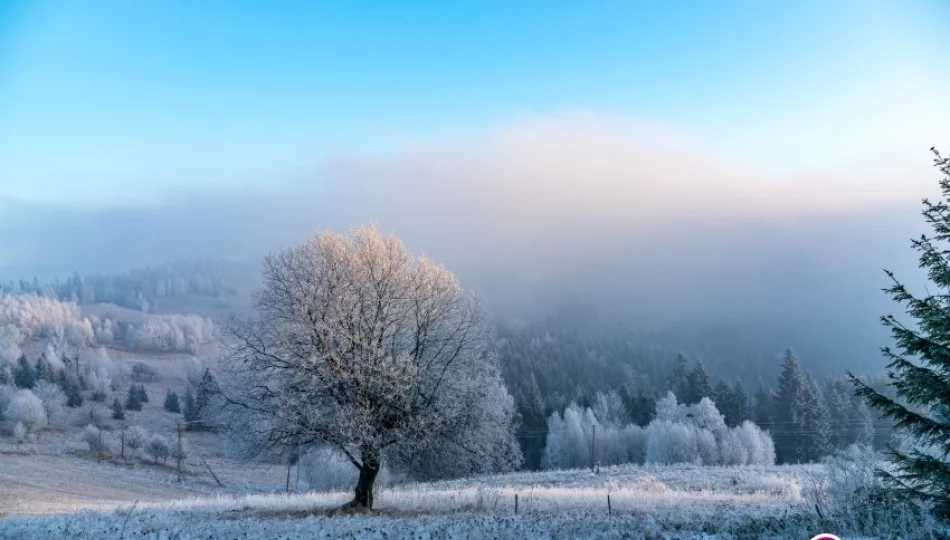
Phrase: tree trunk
pixel 363 498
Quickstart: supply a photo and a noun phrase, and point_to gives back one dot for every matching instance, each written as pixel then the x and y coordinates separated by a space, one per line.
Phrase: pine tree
pixel 117 413
pixel 740 401
pixel 723 398
pixel 44 369
pixel 920 366
pixel 762 409
pixel 699 385
pixel 141 394
pixel 24 376
pixel 814 430
pixel 679 377
pixel 786 407
pixel 171 402
pixel 132 402
pixel 190 412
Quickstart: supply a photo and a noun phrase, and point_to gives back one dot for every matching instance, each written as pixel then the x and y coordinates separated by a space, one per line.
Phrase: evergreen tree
pixel 132 402
pixel 699 385
pixel 679 378
pixel 117 413
pixel 814 424
pixel 786 409
pixel 24 376
pixel 920 367
pixel 141 394
pixel 44 369
pixel 740 403
pixel 723 398
pixel 171 402
pixel 762 409
pixel 73 396
pixel 190 412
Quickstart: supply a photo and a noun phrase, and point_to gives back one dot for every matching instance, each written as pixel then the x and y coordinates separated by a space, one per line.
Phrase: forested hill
pixel 148 288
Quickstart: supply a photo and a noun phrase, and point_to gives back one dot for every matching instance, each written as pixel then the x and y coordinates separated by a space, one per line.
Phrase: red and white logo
pixel 825 536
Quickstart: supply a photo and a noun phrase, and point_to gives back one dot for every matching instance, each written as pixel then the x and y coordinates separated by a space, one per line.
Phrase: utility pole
pixel 123 443
pixel 593 446
pixel 181 428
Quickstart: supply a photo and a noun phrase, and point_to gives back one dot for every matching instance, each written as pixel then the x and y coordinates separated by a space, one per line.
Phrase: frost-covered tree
pixel 135 439
pixel 171 402
pixel 28 410
pixel 679 378
pixel 362 346
pixel 92 436
pixel 24 376
pixel 158 448
pixel 53 399
pixel 920 366
pixel 132 400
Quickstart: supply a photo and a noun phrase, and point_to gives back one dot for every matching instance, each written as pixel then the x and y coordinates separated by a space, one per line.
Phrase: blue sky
pixel 110 101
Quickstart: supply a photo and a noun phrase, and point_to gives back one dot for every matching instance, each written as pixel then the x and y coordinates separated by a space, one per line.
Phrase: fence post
pixel 180 429
pixel 99 450
pixel 123 443
pixel 516 503
pixel 593 446
pixel 608 504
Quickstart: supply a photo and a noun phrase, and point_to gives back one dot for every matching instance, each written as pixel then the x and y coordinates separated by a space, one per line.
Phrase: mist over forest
pixel 580 220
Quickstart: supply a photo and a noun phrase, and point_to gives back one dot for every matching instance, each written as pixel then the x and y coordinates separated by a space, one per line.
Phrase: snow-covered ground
pixel 683 500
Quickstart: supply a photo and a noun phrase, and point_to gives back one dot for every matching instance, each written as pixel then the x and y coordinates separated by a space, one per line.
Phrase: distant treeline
pixel 138 289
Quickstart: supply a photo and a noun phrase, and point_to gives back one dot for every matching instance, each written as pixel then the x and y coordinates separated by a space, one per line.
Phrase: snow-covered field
pixel 681 501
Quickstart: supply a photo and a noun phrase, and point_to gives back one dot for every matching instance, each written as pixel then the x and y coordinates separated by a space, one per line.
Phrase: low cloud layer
pixel 629 218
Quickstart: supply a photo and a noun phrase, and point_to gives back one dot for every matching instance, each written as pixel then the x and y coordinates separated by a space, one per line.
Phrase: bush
pixel 135 438
pixel 158 448
pixel 93 437
pixel 171 402
pixel 98 396
pixel 28 410
pixel 142 372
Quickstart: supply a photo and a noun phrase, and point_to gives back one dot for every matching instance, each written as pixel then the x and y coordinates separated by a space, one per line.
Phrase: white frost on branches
pixel 679 434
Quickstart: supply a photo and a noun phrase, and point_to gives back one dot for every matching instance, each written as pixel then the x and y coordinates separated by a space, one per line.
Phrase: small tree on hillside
pixel 920 366
pixel 117 412
pixel 132 402
pixel 171 402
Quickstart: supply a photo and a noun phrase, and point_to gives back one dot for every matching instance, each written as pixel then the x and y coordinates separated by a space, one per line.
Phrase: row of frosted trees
pixel 679 433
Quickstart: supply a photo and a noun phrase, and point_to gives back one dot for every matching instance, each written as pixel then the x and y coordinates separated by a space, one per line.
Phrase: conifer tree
pixel 762 409
pixel 740 403
pixel 787 404
pixel 132 402
pixel 24 376
pixel 171 402
pixel 699 385
pixel 679 378
pixel 44 369
pixel 920 366
pixel 117 412
pixel 814 423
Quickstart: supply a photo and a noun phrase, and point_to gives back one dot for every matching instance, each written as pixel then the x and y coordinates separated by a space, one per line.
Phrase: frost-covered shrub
pixel 28 410
pixel 158 448
pixel 19 432
pixel 135 438
pixel 53 399
pixel 93 437
pixel 669 443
